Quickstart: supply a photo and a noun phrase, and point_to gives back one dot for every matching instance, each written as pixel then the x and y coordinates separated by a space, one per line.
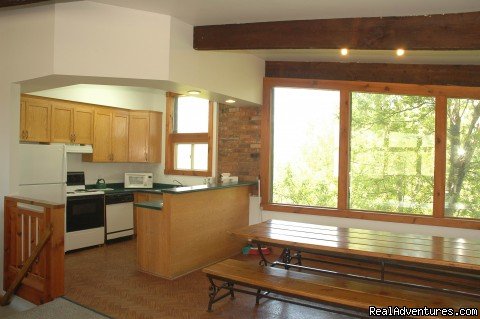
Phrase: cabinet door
pixel 23 129
pixel 37 120
pixel 83 124
pixel 155 138
pixel 138 131
pixel 62 123
pixel 120 136
pixel 102 141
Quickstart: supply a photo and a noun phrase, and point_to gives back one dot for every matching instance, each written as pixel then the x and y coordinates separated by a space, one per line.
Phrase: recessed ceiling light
pixel 193 92
pixel 400 52
pixel 344 51
pixel 230 101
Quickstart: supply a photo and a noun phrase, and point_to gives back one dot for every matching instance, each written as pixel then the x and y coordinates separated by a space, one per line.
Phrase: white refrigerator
pixel 43 172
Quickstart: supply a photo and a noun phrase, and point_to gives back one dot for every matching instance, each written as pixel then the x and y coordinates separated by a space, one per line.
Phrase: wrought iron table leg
pixel 264 260
pixel 257 299
pixel 212 294
pixel 230 287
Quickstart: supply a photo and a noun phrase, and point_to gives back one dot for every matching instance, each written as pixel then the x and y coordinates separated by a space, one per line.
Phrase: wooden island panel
pixel 191 231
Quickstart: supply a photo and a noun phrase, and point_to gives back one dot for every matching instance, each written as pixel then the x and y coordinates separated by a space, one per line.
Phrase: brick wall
pixel 239 141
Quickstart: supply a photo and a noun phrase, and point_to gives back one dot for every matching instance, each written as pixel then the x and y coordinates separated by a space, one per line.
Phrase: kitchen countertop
pixel 155 205
pixel 169 188
pixel 199 188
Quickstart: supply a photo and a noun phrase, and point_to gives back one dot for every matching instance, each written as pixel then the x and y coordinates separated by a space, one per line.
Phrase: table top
pixel 457 253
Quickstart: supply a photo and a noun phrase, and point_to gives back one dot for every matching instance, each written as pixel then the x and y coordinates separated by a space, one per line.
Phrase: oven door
pixel 85 212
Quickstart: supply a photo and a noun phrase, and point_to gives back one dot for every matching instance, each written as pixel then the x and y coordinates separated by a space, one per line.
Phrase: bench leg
pixel 230 287
pixel 215 289
pixel 257 299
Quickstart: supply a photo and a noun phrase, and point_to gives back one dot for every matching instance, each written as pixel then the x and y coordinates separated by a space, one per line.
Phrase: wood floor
pixel 105 279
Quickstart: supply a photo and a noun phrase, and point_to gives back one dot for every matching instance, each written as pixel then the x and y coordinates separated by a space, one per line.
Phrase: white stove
pixel 85 214
pixel 79 190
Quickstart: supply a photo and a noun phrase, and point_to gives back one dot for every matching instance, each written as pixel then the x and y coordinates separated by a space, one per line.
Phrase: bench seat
pixel 337 290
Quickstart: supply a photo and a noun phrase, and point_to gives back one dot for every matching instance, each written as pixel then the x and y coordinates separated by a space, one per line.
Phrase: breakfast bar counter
pixel 190 228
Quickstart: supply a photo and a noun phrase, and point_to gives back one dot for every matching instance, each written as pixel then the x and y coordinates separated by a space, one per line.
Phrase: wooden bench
pixel 357 294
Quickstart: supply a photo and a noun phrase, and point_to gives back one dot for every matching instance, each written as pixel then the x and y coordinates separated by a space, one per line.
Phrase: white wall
pixel 238 75
pixel 95 39
pixel 135 98
pixel 26 42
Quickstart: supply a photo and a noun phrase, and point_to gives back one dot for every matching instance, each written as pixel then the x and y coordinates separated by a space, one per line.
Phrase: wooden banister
pixel 26 266
pixel 33 249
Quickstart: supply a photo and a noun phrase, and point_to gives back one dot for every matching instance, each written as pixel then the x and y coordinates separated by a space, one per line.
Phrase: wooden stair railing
pixel 26 267
pixel 33 250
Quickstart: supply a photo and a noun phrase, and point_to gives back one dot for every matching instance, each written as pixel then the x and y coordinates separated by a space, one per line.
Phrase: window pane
pixel 463 159
pixel 200 158
pixel 191 115
pixel 183 156
pixel 305 146
pixel 392 153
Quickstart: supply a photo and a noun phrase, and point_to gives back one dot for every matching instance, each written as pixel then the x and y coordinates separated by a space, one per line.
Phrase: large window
pixel 391 152
pixel 189 136
pixel 305 146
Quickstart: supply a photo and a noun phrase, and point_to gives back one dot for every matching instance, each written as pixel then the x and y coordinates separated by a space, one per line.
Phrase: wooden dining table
pixel 431 254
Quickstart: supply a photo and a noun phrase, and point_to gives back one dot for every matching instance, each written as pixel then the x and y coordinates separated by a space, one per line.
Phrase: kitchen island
pixel 189 228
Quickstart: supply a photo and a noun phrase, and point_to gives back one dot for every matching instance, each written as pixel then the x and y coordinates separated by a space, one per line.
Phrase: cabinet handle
pixel 74 137
pixel 26 135
pixel 146 157
pixel 71 137
pixel 23 134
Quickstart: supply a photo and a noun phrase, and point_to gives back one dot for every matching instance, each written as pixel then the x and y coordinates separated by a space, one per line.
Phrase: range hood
pixel 77 148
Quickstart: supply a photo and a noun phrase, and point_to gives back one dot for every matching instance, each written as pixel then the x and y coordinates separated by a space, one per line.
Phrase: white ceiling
pixel 205 12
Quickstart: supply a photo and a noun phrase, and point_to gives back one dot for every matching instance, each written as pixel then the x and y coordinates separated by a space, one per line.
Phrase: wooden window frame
pixel 173 138
pixel 440 93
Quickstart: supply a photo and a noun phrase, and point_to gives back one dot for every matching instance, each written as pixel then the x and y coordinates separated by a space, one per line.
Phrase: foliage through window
pixel 462 197
pixel 392 153
pixel 356 148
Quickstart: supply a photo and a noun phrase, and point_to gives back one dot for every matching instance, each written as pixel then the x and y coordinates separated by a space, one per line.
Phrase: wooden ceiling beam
pixel 459 31
pixel 11 3
pixel 426 74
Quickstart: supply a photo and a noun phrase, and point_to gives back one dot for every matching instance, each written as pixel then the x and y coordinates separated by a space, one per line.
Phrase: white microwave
pixel 138 180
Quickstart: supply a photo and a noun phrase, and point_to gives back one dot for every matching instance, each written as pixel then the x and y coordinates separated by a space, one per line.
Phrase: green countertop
pixel 200 188
pixel 170 189
pixel 155 205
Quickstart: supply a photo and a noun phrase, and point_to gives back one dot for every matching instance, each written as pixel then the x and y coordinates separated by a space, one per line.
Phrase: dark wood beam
pixel 11 3
pixel 461 75
pixel 459 31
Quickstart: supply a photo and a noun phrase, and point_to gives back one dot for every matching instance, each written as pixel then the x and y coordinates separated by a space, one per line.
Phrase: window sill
pixel 187 173
pixel 376 216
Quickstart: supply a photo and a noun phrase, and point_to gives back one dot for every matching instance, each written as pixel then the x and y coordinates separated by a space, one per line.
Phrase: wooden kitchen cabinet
pixel 102 136
pixel 155 138
pixel 72 123
pixel 145 137
pixel 120 136
pixel 139 130
pixel 110 142
pixel 62 122
pixel 83 124
pixel 35 118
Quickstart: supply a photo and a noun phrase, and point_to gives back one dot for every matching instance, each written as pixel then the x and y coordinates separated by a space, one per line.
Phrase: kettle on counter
pixel 101 183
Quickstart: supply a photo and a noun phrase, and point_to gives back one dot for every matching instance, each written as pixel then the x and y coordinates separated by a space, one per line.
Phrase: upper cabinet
pixel 145 137
pixel 83 118
pixel 120 136
pixel 35 119
pixel 117 135
pixel 155 138
pixel 62 122
pixel 139 128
